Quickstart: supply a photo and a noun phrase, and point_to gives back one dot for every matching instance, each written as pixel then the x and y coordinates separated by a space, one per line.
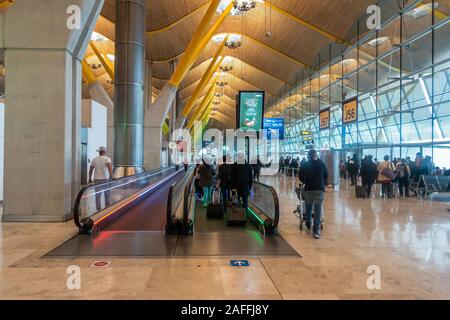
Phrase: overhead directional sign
pixel 239 263
pixel 274 124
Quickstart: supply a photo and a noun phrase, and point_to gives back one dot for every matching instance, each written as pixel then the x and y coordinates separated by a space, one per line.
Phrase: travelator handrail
pixel 264 207
pixel 116 191
pixel 178 203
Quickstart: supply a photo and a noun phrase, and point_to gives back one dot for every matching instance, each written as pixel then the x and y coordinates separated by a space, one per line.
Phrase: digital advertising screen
pixel 250 110
pixel 274 124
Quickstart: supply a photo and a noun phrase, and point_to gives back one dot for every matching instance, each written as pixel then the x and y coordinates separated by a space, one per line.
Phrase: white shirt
pixel 100 169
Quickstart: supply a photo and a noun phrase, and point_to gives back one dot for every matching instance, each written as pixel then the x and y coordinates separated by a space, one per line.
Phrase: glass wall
pixel 400 75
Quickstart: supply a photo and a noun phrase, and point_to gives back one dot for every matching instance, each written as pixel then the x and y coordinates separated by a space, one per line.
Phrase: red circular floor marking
pixel 101 264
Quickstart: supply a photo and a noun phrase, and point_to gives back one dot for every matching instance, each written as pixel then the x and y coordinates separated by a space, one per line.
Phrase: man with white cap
pixel 101 167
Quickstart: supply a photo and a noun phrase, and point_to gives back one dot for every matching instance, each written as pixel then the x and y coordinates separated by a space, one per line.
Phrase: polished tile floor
pixel 407 239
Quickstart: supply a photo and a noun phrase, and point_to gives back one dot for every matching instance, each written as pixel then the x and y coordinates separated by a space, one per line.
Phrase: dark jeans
pixel 313 200
pixel 243 194
pixel 225 194
pixel 387 189
pixel 353 178
pixel 257 174
pixel 198 189
pixel 98 195
pixel 368 186
pixel 403 186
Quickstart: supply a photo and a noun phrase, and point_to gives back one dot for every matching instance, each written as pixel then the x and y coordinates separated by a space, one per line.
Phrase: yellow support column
pixel 208 97
pixel 212 68
pixel 88 75
pixel 184 64
pixel 105 62
pixel 192 53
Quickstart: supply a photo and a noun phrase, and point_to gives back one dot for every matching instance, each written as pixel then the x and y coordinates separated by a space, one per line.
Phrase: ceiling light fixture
pixel 218 94
pixel 244 6
pixel 226 68
pixel 221 83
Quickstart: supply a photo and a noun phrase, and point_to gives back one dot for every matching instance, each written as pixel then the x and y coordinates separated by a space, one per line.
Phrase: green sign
pixel 251 108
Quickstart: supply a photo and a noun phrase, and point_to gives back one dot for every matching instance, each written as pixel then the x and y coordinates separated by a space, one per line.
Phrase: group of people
pixel 399 171
pixel 290 166
pixel 225 177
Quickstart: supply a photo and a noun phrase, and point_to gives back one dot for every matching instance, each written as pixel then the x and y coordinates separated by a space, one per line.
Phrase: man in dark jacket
pixel 314 175
pixel 242 179
pixel 224 180
pixel 368 174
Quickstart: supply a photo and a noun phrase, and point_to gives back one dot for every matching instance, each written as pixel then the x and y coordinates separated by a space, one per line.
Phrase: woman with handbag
pixel 386 176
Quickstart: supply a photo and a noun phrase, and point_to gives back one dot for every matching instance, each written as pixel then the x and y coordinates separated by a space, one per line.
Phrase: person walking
pixel 101 171
pixel 314 176
pixel 242 179
pixel 368 174
pixel 403 173
pixel 206 181
pixel 224 180
pixel 353 168
pixel 386 176
pixel 257 168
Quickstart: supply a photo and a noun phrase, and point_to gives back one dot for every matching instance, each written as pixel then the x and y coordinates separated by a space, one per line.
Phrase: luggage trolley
pixel 300 212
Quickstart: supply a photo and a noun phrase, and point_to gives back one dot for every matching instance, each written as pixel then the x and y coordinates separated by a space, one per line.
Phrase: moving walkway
pixel 156 214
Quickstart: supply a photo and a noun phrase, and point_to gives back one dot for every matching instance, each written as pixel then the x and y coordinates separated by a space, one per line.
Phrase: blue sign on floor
pixel 239 263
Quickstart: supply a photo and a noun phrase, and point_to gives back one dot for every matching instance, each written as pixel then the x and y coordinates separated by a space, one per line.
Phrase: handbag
pixel 388 173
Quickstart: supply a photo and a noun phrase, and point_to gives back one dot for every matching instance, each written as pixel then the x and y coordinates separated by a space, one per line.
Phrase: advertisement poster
pixel 350 111
pixel 324 118
pixel 274 124
pixel 251 109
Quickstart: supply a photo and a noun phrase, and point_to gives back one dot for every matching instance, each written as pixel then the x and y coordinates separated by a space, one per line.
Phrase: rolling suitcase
pixel 360 191
pixel 236 216
pixel 215 209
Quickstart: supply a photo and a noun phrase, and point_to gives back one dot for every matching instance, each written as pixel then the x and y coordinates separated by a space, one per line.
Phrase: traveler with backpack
pixel 224 180
pixel 368 174
pixel 206 173
pixel 403 173
pixel 386 176
pixel 242 179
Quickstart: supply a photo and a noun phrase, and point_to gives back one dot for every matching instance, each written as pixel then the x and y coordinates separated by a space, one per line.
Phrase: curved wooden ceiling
pixel 300 30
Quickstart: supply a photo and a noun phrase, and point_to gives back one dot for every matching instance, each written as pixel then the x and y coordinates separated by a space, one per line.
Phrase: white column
pixel 43 117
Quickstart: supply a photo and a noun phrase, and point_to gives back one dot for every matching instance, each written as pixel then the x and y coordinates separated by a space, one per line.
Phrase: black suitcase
pixel 215 209
pixel 360 192
pixel 236 216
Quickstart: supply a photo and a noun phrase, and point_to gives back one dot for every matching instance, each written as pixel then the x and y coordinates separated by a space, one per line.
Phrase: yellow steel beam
pixel 88 75
pixel 245 63
pixel 176 22
pixel 206 101
pixel 253 40
pixel 185 62
pixel 305 23
pixel 212 68
pixel 6 4
pixel 105 62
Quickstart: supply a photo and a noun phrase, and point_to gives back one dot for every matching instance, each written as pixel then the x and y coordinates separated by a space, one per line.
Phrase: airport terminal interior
pixel 332 116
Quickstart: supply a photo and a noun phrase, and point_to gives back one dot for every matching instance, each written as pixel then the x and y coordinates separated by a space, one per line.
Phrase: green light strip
pixel 256 216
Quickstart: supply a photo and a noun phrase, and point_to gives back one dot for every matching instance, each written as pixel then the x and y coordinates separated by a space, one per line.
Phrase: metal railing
pixel 94 200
